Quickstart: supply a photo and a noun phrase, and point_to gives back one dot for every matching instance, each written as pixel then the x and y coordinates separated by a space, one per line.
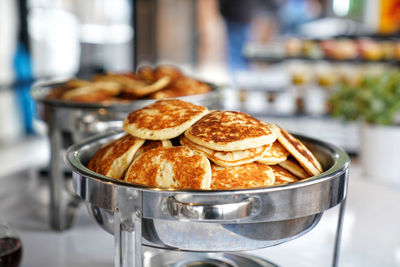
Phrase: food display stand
pixel 210 225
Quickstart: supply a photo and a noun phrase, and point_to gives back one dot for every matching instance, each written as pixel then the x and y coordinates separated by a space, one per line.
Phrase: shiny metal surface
pixel 228 220
pixel 179 259
pixel 202 212
pixel 70 122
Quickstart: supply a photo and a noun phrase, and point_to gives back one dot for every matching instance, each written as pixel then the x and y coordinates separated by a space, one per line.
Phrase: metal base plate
pixel 184 259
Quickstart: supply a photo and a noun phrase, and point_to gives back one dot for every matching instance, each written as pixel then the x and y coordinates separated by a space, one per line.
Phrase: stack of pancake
pixel 164 81
pixel 176 144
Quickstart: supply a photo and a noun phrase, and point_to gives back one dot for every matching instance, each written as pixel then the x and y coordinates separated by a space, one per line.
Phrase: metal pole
pixel 62 203
pixel 338 237
pixel 128 228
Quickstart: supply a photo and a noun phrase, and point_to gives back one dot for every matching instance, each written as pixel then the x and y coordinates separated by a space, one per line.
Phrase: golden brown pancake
pixel 114 158
pixel 110 88
pixel 294 167
pixel 171 167
pixel 276 154
pixel 227 158
pixel 133 86
pixel 181 87
pixel 230 130
pixel 282 176
pixel 146 73
pixel 75 83
pixel 167 71
pixel 164 119
pixel 298 150
pixel 151 144
pixel 92 97
pixel 144 88
pixel 249 175
pixel 122 79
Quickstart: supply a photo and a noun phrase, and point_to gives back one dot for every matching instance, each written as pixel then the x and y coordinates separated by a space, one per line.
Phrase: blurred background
pixel 325 68
pixel 280 57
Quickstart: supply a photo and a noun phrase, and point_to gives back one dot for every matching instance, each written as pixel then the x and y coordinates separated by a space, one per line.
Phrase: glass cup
pixel 10 247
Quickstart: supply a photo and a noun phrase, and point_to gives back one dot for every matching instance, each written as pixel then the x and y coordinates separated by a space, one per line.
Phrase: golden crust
pixel 298 150
pixel 121 78
pixel 227 158
pixel 165 81
pixel 230 130
pixel 167 71
pixel 294 167
pixel 171 167
pixel 282 176
pixel 181 87
pixel 92 97
pixel 276 154
pixel 164 119
pixel 104 87
pixel 146 73
pixel 151 144
pixel 133 86
pixel 114 158
pixel 249 175
pixel 75 83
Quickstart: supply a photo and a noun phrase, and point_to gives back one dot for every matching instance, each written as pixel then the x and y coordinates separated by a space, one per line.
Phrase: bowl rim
pixel 341 163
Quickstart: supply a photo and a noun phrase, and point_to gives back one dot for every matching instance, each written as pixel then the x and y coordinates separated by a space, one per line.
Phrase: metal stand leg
pixel 61 214
pixel 338 238
pixel 62 203
pixel 128 228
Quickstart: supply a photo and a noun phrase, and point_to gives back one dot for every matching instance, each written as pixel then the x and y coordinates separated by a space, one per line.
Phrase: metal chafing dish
pixel 68 122
pixel 204 221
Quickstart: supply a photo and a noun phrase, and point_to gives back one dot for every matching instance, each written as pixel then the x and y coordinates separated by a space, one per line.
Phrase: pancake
pixel 293 166
pixel 144 88
pixel 164 119
pixel 146 73
pixel 171 167
pixel 150 144
pixel 121 78
pixel 230 130
pixel 114 158
pixel 298 150
pixel 167 71
pixel 249 175
pixel 92 97
pixel 282 176
pixel 75 83
pixel 181 87
pixel 276 154
pixel 110 88
pixel 134 85
pixel 227 158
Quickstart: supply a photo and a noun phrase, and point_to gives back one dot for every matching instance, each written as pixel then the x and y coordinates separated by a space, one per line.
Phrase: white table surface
pixel 371 235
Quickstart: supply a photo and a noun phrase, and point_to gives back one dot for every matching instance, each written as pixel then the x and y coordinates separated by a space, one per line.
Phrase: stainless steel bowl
pixel 184 259
pixel 216 220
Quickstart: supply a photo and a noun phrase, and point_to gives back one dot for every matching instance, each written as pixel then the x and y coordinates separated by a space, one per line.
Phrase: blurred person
pixel 238 16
